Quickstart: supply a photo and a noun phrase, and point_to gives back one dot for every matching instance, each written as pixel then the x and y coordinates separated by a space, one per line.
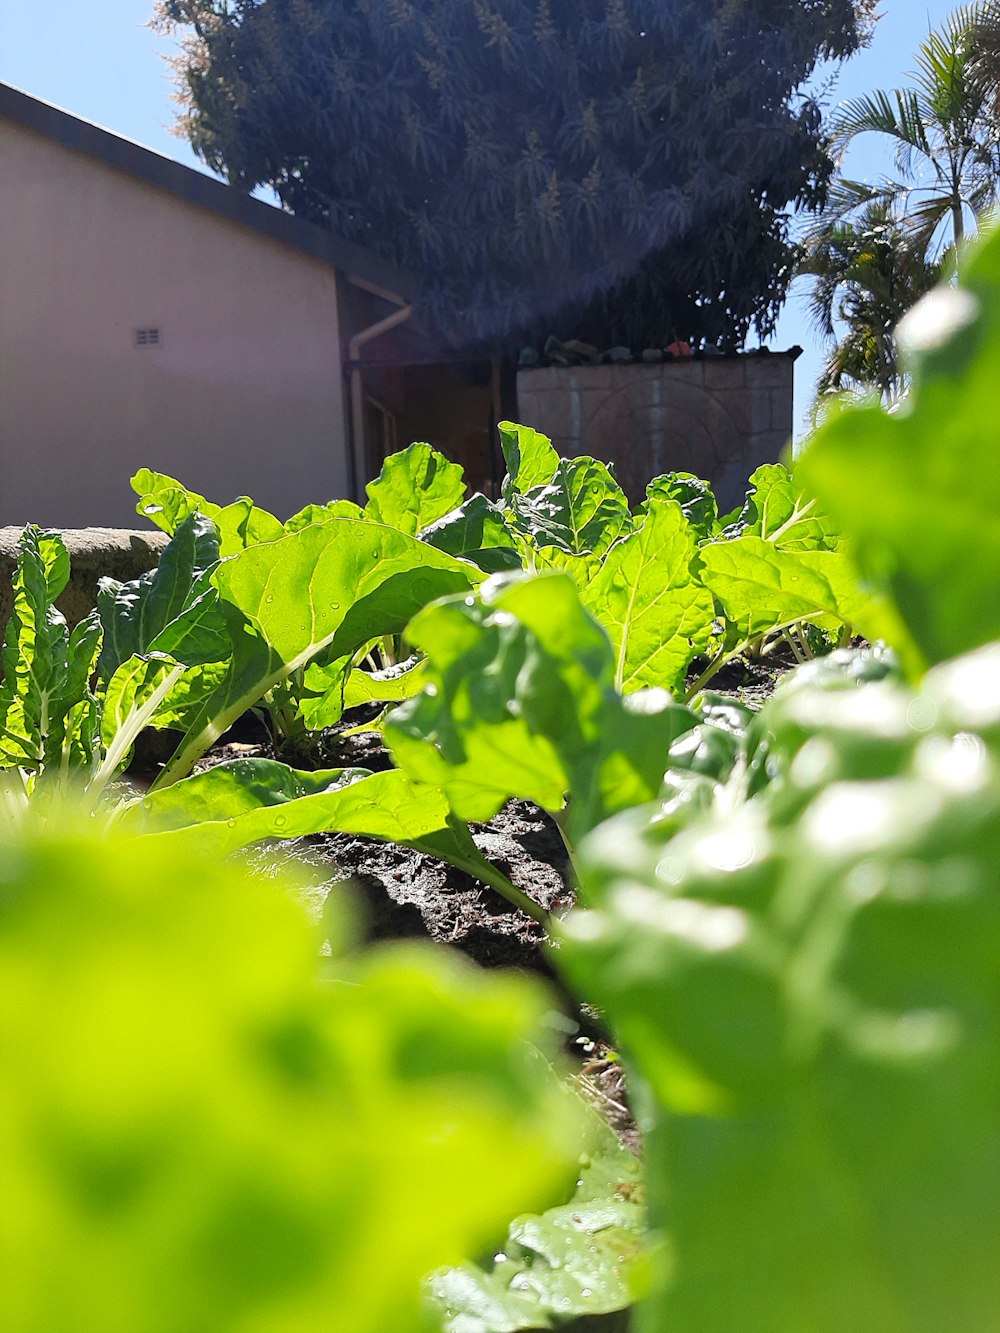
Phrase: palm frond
pixel 895 114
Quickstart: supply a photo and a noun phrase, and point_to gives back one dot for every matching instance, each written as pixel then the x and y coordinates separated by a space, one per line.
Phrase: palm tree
pixel 945 132
pixel 878 247
pixel 986 51
pixel 869 271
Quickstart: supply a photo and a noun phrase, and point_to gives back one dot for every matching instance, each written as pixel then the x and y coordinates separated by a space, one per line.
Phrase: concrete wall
pixel 94 553
pixel 719 419
pixel 245 394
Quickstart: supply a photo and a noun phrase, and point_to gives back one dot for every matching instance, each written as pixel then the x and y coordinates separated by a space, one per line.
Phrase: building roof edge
pixel 205 191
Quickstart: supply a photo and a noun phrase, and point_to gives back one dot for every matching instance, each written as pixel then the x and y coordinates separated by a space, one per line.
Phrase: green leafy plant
pixel 672 582
pixel 416 487
pixel 520 700
pixel 801 962
pixel 199 1132
pixel 229 642
pixel 58 727
pixel 807 983
pixel 877 473
pixel 586 1257
pixel 208 639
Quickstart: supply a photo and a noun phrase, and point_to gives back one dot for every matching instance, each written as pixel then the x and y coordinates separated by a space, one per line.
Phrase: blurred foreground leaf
pixel 198 1134
pixel 918 490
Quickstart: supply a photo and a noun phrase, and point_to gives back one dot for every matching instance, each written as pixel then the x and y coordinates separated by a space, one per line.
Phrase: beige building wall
pixel 243 397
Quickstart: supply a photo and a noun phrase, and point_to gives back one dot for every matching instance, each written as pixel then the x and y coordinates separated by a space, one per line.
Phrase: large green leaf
pixel 582 566
pixel 75 703
pixel 389 686
pixel 507 711
pixel 42 679
pixel 329 690
pixel 172 608
pixel 340 583
pixel 529 455
pixel 919 489
pixel 313 513
pixel 415 488
pixel 581 509
pixel 583 1258
pixel 167 503
pixel 330 586
pixel 202 1133
pixel 694 496
pixel 476 531
pixel 656 611
pixel 53 721
pixel 777 511
pixel 520 701
pixel 188 695
pixel 762 587
pixel 131 700
pixel 240 802
pixel 807 983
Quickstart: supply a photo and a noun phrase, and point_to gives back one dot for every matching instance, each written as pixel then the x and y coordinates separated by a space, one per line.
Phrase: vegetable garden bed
pixel 787 918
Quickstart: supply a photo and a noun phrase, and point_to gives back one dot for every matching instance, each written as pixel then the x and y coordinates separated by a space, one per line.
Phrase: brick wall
pixel 717 418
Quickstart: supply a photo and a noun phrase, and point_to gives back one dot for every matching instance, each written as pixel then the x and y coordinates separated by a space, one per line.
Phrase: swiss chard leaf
pixel 581 509
pixel 762 587
pixel 261 1111
pixel 172 608
pixel 240 524
pixel 530 458
pixel 582 567
pixel 234 804
pixel 694 496
pixel 919 490
pixel 167 503
pixel 415 488
pixel 714 747
pixel 583 1258
pixel 314 513
pixel 777 511
pixel 808 988
pixel 74 739
pixel 43 677
pixel 389 686
pixel 329 690
pixel 332 586
pixel 476 531
pixel 128 704
pixel 520 701
pixel 655 610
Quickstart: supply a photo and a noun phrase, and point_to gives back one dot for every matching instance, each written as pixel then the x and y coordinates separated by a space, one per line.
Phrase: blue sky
pixel 102 62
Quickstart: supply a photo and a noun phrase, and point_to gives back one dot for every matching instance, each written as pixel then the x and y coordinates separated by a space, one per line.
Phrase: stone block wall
pixel 94 553
pixel 719 419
